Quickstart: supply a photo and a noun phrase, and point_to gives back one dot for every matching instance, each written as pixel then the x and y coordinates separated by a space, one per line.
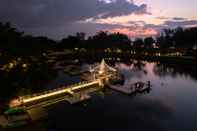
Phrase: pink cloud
pixel 138 32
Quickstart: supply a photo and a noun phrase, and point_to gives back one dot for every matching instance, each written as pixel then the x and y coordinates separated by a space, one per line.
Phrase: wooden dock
pixel 137 87
pixel 122 89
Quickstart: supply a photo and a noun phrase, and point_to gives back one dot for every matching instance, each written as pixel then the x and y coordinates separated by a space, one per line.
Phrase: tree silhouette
pixel 148 42
pixel 138 43
pixel 178 37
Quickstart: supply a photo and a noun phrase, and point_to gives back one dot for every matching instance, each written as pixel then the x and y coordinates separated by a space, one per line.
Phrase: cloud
pixel 136 32
pixel 55 18
pixel 59 18
pixel 162 17
pixel 185 23
pixel 171 18
pixel 132 28
pixel 179 18
pixel 54 13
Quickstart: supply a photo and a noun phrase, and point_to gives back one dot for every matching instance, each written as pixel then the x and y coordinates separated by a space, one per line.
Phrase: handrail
pixel 55 90
pixel 64 88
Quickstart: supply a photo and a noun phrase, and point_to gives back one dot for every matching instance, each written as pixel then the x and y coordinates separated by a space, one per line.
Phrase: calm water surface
pixel 170 106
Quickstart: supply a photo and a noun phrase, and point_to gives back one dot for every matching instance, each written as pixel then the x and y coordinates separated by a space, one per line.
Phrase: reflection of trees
pixel 139 66
pixel 163 70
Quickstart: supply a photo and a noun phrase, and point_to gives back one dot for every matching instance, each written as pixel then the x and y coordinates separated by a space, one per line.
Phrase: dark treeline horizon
pixel 18 43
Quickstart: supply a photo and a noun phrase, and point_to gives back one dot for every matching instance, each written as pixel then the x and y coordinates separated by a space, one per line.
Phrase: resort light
pixel 100 72
pixel 24 65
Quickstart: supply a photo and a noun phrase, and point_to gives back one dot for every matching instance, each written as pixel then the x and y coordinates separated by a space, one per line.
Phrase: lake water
pixel 171 105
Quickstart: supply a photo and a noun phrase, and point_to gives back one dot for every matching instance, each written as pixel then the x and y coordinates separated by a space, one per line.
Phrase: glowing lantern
pixel 100 72
pixel 24 65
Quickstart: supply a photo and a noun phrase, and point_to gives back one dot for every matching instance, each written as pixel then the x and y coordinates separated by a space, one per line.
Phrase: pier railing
pixel 55 90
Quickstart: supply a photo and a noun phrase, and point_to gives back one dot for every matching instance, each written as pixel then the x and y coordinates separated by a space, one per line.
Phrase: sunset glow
pixel 139 32
pixel 134 17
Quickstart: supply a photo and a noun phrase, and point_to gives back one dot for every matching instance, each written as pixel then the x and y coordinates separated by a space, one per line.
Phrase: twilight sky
pixel 136 18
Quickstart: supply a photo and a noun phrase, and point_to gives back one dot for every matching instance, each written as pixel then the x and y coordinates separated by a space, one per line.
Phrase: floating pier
pixel 137 87
pixel 121 89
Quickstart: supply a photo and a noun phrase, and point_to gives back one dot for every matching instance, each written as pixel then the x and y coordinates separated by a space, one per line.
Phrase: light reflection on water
pixel 169 106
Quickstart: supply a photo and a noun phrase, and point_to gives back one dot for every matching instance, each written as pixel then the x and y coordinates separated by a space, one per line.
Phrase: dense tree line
pixel 17 43
pixel 101 40
pixel 177 38
pixel 13 42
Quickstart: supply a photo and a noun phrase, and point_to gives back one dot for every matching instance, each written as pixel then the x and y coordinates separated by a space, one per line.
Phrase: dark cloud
pixel 162 18
pixel 181 23
pixel 55 14
pixel 156 27
pixel 139 28
pixel 179 18
pixel 171 18
pixel 137 23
